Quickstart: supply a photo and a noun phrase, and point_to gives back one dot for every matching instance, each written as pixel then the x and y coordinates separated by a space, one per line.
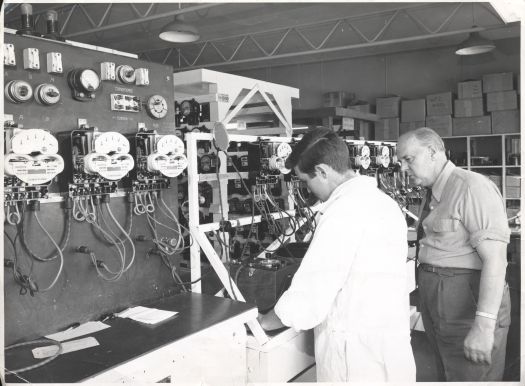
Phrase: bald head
pixel 425 137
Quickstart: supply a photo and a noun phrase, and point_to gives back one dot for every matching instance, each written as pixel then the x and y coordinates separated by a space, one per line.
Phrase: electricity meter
pixel 364 157
pixel 83 82
pixel 111 142
pixel 18 91
pixel 170 166
pixel 284 150
pixel 384 156
pixel 28 141
pixel 47 94
pixel 170 144
pixel 113 167
pixel 157 107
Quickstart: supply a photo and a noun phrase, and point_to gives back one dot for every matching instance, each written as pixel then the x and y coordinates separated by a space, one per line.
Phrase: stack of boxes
pixel 469 115
pixel 513 186
pixel 439 113
pixel 502 102
pixel 413 113
pixel 387 128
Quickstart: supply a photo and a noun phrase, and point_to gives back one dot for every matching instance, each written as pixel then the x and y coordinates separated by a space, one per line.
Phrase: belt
pixel 447 271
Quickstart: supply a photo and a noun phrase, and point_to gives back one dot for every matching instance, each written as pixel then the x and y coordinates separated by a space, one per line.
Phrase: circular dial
pixel 384 158
pixel 89 80
pixel 157 107
pixel 364 158
pixel 111 142
pixel 170 144
pixel 29 141
pixel 284 150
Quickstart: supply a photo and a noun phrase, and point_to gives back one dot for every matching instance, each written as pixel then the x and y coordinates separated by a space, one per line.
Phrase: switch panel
pixel 126 103
pixel 9 55
pixel 54 63
pixel 31 59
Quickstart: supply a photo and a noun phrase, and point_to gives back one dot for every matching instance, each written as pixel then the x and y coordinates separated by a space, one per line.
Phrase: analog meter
pixel 111 142
pixel 83 82
pixel 157 107
pixel 170 144
pixel 364 157
pixel 28 141
pixel 384 158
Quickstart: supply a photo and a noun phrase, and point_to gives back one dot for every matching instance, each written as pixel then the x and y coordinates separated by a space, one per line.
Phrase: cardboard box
pixel 413 110
pixel 513 181
pixel 505 121
pixel 405 127
pixel 439 104
pixel 337 99
pixel 387 129
pixel 471 125
pixel 498 82
pixel 472 107
pixel 388 107
pixel 441 124
pixel 470 89
pixel 502 100
pixel 364 107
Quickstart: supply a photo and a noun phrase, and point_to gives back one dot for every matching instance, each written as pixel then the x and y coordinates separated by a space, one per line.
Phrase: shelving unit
pixel 495 155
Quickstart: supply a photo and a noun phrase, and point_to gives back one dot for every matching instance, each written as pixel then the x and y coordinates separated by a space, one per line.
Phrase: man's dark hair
pixel 319 146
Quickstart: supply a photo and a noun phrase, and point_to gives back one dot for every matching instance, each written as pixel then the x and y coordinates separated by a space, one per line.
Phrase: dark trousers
pixel 448 300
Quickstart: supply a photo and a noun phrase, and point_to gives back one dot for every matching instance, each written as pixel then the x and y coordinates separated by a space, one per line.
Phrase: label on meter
pixel 34 170
pixel 169 166
pixel 113 167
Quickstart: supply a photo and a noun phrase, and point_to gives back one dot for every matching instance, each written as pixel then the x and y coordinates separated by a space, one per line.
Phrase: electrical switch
pixel 9 55
pixel 107 71
pixel 142 77
pixel 125 74
pixel 47 94
pixel 31 59
pixel 54 63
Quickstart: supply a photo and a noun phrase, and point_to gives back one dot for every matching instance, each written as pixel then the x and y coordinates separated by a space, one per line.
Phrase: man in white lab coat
pixel 351 286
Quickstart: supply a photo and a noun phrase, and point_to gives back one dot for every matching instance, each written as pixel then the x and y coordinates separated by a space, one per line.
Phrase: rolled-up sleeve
pixel 484 214
pixel 322 274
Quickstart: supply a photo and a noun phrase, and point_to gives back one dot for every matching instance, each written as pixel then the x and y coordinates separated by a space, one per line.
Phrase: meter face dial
pixel 34 141
pixel 157 106
pixel 170 144
pixel 365 151
pixel 284 150
pixel 89 80
pixel 111 142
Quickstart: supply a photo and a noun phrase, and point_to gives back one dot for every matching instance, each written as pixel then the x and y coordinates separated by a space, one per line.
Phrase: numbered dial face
pixel 89 80
pixel 157 107
pixel 364 158
pixel 385 156
pixel 284 150
pixel 30 141
pixel 170 144
pixel 111 142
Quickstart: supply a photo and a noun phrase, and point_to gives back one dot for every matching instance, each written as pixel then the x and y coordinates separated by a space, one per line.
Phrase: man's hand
pixel 270 321
pixel 480 341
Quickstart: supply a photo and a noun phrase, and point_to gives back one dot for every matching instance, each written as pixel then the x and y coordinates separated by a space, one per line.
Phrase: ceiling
pixel 237 36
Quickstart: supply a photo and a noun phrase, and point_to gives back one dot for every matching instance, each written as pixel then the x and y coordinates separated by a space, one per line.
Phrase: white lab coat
pixel 352 288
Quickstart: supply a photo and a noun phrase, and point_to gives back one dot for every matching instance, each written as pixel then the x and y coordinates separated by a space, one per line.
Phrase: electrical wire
pixel 40 364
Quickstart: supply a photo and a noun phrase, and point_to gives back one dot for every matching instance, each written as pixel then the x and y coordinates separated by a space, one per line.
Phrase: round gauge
pixel 94 162
pixel 18 91
pixel 170 144
pixel 364 159
pixel 111 142
pixel 86 80
pixel 157 107
pixel 175 166
pixel 365 151
pixel 156 162
pixel 284 150
pixel 385 151
pixel 29 141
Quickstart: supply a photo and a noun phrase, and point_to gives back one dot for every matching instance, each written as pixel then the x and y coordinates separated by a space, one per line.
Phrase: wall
pixel 409 74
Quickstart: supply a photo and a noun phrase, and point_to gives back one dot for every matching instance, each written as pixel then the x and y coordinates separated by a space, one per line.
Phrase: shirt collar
pixel 441 181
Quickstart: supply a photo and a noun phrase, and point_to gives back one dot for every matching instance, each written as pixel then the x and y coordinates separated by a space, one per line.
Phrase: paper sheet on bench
pixel 146 315
pixel 83 329
pixel 72 345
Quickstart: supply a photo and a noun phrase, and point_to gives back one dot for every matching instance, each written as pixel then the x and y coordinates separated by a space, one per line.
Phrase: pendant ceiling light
pixel 475 44
pixel 179 31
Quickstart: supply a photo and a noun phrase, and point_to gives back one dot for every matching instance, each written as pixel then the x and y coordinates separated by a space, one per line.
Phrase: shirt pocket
pixel 445 225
